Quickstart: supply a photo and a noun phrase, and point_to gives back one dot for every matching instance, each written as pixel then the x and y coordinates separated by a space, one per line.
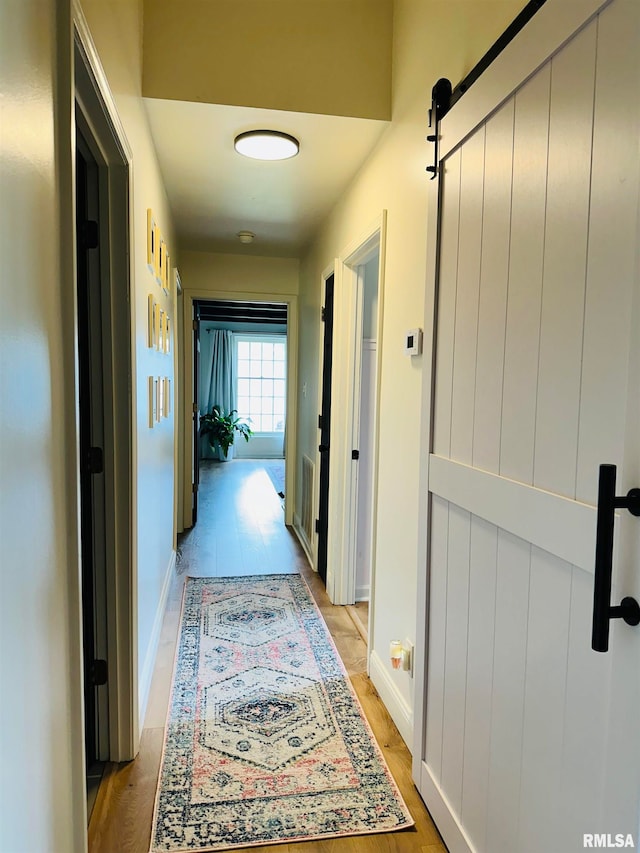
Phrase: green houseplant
pixel 221 429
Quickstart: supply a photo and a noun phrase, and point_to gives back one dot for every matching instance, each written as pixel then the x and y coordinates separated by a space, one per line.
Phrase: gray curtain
pixel 217 382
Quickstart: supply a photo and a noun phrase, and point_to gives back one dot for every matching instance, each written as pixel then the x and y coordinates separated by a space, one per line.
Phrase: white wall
pixel 432 39
pixel 41 761
pixel 116 29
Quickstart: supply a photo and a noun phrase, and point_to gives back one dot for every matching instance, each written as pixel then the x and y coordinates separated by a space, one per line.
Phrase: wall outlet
pixel 407 657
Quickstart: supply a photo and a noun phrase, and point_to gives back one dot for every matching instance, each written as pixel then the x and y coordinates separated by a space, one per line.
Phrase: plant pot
pixel 229 455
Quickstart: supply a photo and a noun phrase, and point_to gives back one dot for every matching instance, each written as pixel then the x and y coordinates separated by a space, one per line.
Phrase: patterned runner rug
pixel 265 740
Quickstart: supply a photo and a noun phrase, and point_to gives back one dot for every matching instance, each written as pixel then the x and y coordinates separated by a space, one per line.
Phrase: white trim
pixel 84 40
pixel 443 814
pixel 302 539
pixel 327 272
pixel 545 34
pixel 363 592
pixel 152 649
pixel 345 400
pixel 98 105
pixel 424 504
pixel 393 700
pixel 291 301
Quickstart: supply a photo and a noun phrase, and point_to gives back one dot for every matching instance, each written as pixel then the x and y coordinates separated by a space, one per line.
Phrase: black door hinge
pixel 355 454
pixel 317 526
pixel 322 314
pixel 98 674
pixel 320 422
pixel 94 460
pixel 88 234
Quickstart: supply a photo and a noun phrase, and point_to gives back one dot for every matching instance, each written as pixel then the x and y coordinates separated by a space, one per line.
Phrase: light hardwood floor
pixel 240 531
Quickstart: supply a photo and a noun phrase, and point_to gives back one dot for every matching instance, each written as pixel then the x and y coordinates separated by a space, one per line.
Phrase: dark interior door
pixel 91 447
pixel 196 411
pixel 325 429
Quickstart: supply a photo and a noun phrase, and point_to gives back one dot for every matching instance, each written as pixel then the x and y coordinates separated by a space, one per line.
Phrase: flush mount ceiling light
pixel 266 145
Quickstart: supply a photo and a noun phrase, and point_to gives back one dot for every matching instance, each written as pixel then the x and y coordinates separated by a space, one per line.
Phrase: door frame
pixel 92 97
pixel 546 33
pixel 345 405
pixel 326 274
pixel 291 301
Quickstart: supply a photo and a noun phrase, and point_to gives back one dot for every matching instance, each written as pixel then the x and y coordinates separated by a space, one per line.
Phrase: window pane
pixel 261 385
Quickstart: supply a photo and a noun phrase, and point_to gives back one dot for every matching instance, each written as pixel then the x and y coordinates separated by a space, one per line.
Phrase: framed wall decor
pixel 166 280
pixel 152 402
pixel 152 248
pixel 156 325
pixel 150 321
pixel 159 398
pixel 167 334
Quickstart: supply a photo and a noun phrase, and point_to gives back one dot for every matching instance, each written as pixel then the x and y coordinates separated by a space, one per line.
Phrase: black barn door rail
pixel 444 96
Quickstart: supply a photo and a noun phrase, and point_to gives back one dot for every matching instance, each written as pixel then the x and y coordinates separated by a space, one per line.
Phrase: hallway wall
pixel 41 766
pixel 432 39
pixel 116 29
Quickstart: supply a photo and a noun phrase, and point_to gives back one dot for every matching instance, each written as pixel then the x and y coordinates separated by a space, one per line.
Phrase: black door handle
pixel 628 609
pixel 323 448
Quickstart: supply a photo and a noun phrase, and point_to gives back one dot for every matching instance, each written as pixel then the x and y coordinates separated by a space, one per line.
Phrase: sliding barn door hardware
pixel 442 95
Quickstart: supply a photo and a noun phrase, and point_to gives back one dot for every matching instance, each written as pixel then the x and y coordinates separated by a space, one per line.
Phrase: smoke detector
pixel 245 236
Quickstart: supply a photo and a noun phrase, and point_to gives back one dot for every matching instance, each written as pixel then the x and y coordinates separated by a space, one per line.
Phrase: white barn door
pixel 530 739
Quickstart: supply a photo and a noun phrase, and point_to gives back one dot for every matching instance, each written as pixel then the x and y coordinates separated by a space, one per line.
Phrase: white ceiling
pixel 215 192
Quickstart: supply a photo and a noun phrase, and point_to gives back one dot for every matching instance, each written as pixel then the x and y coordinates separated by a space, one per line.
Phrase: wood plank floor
pixel 241 531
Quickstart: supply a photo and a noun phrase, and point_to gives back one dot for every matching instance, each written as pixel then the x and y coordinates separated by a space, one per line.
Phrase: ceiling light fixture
pixel 266 145
pixel 245 236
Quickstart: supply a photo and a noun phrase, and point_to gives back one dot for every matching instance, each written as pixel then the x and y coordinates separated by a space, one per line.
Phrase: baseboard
pixel 144 685
pixel 395 703
pixel 302 539
pixel 363 593
pixel 443 816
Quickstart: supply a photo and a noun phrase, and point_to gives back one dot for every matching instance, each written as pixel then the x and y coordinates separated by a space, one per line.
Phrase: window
pixel 261 381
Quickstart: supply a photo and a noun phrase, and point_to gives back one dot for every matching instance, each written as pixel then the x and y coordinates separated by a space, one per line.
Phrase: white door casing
pixel 526 739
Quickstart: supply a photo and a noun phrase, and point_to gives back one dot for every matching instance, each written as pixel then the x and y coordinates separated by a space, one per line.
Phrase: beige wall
pixel 41 765
pixel 322 56
pixel 116 28
pixel 208 271
pixel 432 38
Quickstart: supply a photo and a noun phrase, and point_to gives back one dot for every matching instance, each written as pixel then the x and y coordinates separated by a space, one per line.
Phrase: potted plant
pixel 221 429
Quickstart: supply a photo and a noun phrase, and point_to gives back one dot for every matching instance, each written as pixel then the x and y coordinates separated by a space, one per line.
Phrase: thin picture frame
pixel 152 243
pixel 150 320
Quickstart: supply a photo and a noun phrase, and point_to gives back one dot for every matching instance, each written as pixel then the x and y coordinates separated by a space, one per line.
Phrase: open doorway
pixel 243 359
pixel 104 405
pixel 355 381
